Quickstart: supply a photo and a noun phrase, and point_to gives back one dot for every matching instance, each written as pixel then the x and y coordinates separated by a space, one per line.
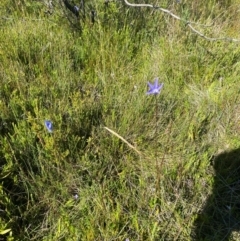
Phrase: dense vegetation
pixel 86 182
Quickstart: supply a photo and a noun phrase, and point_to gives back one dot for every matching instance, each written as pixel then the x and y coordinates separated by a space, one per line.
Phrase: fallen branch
pixel 188 23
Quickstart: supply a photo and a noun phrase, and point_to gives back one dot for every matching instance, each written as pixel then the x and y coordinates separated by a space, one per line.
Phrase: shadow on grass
pixel 221 214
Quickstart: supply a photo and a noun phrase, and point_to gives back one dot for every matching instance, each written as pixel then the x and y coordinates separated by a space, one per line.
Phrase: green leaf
pixel 5 231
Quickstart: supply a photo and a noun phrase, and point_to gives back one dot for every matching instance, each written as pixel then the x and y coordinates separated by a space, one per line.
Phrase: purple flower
pixel 154 88
pixel 76 8
pixel 75 197
pixel 49 126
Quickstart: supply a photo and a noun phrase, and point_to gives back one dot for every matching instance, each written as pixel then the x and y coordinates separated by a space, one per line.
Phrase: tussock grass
pixel 87 182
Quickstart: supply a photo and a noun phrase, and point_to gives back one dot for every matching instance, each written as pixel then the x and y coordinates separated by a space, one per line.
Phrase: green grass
pixel 86 80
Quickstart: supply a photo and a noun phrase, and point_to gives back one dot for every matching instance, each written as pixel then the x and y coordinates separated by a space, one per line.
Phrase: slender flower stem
pixel 156 149
pixel 155 89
